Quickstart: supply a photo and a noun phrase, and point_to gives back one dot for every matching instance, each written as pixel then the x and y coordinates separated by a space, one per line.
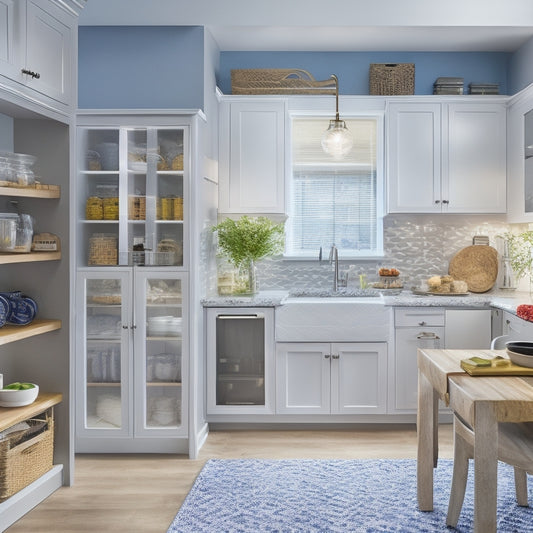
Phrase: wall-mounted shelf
pixel 37 327
pixel 9 416
pixel 7 258
pixel 28 192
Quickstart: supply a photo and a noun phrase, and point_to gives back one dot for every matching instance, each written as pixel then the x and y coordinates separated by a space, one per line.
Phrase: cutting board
pixel 509 369
pixel 477 265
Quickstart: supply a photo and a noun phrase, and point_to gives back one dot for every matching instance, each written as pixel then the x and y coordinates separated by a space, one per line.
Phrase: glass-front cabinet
pixel 132 189
pixel 132 325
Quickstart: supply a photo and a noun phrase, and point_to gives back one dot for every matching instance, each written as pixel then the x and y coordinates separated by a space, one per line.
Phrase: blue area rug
pixel 254 495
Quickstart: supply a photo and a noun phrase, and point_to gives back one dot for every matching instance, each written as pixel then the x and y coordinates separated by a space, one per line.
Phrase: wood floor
pixel 142 493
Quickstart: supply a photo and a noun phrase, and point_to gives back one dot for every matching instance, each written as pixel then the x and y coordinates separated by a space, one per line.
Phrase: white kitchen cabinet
pixel 414 328
pixel 517 328
pixel 133 190
pixel 133 358
pixel 446 157
pixel 252 156
pixel 331 378
pixel 38 49
pixel 520 157
pixel 423 327
pixel 468 329
pixel 240 361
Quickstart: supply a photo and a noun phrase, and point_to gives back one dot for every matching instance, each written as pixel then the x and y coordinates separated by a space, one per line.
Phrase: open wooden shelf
pixel 10 333
pixel 9 416
pixel 7 258
pixel 29 192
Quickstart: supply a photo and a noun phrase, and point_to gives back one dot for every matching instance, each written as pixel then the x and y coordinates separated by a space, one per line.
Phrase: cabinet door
pixel 10 38
pixel 474 159
pixel 303 378
pixel 252 180
pixel 48 51
pixel 407 341
pixel 160 328
pixel 359 378
pixel 517 328
pixel 133 195
pixel 104 355
pixel 413 158
pixel 468 329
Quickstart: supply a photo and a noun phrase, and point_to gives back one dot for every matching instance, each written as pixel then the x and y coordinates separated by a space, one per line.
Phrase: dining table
pixel 482 402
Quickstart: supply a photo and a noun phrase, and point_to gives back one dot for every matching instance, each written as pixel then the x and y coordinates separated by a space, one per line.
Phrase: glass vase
pixel 247 284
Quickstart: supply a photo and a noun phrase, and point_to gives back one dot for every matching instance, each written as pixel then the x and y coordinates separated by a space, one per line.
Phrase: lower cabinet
pixel 131 341
pixel 331 378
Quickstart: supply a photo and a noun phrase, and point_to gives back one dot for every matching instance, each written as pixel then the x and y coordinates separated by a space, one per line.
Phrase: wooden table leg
pixel 485 469
pixel 426 435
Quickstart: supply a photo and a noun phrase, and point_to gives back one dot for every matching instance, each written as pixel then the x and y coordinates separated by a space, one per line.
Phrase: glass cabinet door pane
pixel 240 365
pixel 163 352
pixel 103 357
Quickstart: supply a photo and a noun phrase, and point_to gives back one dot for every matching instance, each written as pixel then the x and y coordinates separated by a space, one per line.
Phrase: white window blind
pixel 333 201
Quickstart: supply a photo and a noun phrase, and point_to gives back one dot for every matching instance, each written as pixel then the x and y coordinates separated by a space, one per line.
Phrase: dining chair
pixel 515 447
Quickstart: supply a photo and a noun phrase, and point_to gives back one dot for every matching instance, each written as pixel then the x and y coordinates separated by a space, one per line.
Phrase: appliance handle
pixel 241 317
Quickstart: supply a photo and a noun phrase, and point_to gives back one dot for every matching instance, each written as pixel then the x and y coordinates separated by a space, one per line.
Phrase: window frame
pixel 379 117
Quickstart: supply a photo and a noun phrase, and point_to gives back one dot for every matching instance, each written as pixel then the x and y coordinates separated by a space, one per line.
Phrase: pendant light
pixel 337 139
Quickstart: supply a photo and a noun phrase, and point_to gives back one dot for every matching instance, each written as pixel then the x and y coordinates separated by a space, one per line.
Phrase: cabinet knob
pixel 125 327
pixel 327 355
pixel 445 201
pixel 335 356
pixel 437 201
pixel 422 323
pixel 34 75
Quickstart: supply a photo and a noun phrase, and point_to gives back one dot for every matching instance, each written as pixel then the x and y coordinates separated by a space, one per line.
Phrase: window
pixel 334 201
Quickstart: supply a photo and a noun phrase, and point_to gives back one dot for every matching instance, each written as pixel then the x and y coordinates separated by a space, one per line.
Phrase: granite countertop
pixel 506 300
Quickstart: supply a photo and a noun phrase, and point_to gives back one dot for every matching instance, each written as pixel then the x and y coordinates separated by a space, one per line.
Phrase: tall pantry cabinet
pixel 133 227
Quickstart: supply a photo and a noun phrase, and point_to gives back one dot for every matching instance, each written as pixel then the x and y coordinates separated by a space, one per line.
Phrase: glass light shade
pixel 337 139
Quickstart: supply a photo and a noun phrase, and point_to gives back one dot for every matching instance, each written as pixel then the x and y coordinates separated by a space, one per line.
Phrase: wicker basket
pixel 177 208
pixel 137 207
pixel 392 78
pixel 103 249
pixel 111 208
pixel 94 208
pixel 278 81
pixel 21 463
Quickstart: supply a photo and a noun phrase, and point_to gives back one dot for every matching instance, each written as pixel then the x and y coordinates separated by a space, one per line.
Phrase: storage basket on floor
pixel 24 461
pixel 392 78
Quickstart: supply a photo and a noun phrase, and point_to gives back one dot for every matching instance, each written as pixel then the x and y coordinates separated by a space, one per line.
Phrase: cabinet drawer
pixel 416 316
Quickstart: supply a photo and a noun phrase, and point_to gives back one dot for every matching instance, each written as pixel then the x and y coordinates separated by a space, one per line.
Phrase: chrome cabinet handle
pixel 427 335
pixel 422 323
pixel 34 75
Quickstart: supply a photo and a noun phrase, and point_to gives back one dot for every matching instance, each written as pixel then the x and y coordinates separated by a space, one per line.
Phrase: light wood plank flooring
pixel 142 493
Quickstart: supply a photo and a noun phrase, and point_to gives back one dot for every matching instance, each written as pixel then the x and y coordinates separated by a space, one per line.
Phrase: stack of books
pixel 484 88
pixel 446 85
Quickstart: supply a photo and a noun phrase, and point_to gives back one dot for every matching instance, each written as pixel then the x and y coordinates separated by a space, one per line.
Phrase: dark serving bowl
pixel 521 347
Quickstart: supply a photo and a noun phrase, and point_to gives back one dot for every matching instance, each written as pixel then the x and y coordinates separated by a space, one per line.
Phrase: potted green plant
pixel 247 240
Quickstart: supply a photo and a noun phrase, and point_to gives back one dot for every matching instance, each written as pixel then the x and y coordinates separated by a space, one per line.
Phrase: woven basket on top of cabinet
pixel 392 78
pixel 21 463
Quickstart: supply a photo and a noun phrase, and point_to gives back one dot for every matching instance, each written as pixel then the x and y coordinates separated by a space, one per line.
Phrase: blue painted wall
pixel 132 67
pixel 352 67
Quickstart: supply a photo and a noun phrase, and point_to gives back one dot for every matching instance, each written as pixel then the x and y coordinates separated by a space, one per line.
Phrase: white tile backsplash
pixel 417 245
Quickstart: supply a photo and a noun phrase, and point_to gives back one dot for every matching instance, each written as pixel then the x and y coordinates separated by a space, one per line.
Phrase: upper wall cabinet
pixel 446 157
pixel 37 46
pixel 252 156
pixel 520 157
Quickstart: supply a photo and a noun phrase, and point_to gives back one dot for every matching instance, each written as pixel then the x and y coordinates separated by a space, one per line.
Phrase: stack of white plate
pixel 163 326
